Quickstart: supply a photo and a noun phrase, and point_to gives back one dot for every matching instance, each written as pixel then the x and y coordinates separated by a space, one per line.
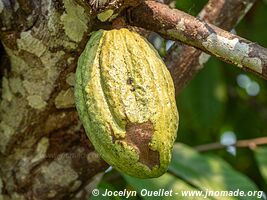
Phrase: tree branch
pixel 250 143
pixel 222 13
pixel 177 25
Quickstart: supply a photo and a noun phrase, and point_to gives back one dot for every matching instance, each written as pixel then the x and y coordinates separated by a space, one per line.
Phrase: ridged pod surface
pixel 125 99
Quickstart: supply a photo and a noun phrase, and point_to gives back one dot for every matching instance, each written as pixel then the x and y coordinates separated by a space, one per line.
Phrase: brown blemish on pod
pixel 139 135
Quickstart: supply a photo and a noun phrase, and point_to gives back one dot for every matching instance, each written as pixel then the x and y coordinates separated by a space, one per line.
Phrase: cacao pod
pixel 125 99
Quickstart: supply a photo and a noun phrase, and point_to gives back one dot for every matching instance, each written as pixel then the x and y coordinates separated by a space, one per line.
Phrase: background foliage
pixel 222 104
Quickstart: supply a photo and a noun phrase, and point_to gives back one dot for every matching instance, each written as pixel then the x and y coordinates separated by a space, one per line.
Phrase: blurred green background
pixel 222 104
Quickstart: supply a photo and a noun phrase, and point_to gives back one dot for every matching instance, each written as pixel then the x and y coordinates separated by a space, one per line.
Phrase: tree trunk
pixel 44 152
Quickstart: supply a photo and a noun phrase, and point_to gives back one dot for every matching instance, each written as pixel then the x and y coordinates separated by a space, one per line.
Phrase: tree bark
pixel 44 152
pixel 177 25
pixel 225 14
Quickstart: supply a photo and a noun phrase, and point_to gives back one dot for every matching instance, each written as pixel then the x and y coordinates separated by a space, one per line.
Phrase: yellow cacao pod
pixel 125 99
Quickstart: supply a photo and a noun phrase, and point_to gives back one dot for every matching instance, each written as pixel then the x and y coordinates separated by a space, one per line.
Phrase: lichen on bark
pixel 41 141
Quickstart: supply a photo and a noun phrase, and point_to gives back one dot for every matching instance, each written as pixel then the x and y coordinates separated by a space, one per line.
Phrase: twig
pixel 177 25
pixel 250 143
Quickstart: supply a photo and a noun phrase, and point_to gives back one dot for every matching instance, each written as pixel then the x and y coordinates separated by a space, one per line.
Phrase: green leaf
pixel 208 172
pixel 167 183
pixel 261 157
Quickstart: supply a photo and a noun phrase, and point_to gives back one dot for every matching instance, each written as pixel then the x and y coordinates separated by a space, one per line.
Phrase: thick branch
pixel 251 143
pixel 177 25
pixel 222 13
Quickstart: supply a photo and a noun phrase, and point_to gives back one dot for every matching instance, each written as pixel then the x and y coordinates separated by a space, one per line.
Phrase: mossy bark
pixel 44 153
